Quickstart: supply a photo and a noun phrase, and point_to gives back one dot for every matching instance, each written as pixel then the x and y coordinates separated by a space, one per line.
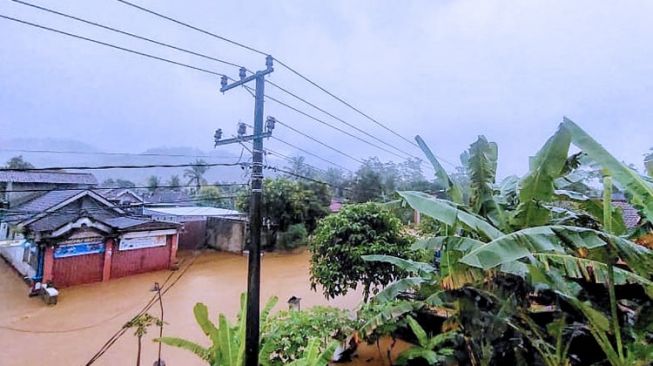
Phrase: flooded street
pixel 71 332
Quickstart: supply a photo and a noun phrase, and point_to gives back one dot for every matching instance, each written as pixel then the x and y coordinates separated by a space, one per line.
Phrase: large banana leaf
pixel 228 354
pixel 201 313
pixel 590 270
pixel 201 352
pixel 482 169
pixel 538 186
pixel 391 312
pixel 638 190
pixel 557 239
pixel 459 243
pixel 454 274
pixel 450 213
pixel 391 291
pixel 454 191
pixel 408 265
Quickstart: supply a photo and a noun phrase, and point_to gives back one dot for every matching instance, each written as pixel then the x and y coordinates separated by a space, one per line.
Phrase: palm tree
pixel 195 173
pixel 174 182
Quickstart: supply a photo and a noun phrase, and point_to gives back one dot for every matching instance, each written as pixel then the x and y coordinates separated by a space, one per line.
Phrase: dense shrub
pixel 287 334
pixel 292 238
pixel 339 242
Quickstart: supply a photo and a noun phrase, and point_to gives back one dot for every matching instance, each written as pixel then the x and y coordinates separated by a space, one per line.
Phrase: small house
pixel 72 236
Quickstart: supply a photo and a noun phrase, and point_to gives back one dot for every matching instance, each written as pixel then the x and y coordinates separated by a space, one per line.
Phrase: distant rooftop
pixel 194 211
pixel 57 177
pixel 168 197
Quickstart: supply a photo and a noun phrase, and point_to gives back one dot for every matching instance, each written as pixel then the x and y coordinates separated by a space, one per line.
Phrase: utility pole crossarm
pixel 245 79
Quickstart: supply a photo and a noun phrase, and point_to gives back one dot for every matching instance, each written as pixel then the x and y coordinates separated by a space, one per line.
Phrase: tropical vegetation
pixel 533 270
pixel 342 239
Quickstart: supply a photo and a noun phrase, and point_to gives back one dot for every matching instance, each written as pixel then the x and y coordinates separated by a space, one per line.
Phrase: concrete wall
pixel 14 255
pixel 225 234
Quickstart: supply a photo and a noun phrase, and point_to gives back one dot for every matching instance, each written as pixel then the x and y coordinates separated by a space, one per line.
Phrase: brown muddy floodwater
pixel 71 332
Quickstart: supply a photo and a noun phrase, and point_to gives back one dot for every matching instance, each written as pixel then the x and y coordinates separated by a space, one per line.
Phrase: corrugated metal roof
pixel 194 211
pixel 57 177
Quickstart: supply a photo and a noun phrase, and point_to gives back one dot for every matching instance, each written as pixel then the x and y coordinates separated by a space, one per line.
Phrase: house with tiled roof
pixel 67 236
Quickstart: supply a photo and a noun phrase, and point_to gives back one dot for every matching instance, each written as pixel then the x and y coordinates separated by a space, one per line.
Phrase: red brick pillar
pixel 173 249
pixel 108 255
pixel 416 217
pixel 48 264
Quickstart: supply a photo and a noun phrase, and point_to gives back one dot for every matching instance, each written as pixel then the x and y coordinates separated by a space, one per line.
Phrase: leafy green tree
pixel 153 183
pixel 118 183
pixel 287 333
pixel 175 182
pixel 195 174
pixel 342 239
pixel 209 196
pixel 337 181
pixel 17 162
pixel 299 168
pixel 287 202
pixel 124 183
pixel 366 186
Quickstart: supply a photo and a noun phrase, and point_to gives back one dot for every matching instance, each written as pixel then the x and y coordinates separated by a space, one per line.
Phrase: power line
pixel 103 167
pixel 310 153
pixel 319 142
pixel 332 126
pixel 116 188
pixel 112 340
pixel 283 64
pixel 111 45
pixel 71 152
pixel 199 69
pixel 193 27
pixel 338 118
pixel 127 33
pixel 344 102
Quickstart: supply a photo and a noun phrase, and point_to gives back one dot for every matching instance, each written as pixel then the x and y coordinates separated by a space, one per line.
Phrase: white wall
pixel 15 256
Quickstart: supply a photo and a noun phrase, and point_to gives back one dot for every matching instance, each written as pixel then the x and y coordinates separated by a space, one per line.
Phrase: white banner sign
pixel 142 242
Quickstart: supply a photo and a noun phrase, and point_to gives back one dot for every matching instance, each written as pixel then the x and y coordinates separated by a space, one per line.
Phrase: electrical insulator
pixel 242 73
pixel 268 61
pixel 223 81
pixel 269 124
pixel 242 129
pixel 218 135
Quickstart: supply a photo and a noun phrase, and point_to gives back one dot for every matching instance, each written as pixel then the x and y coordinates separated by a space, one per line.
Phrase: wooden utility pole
pixel 255 221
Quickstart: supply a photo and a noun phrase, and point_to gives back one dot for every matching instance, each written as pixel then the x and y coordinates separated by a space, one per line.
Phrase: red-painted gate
pixel 78 269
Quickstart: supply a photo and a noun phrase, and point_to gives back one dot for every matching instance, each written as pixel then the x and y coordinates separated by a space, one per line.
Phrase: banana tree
pixel 553 192
pixel 227 340
pixel 434 350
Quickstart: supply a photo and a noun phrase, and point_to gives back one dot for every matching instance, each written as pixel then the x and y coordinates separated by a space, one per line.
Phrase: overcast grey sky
pixel 447 70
